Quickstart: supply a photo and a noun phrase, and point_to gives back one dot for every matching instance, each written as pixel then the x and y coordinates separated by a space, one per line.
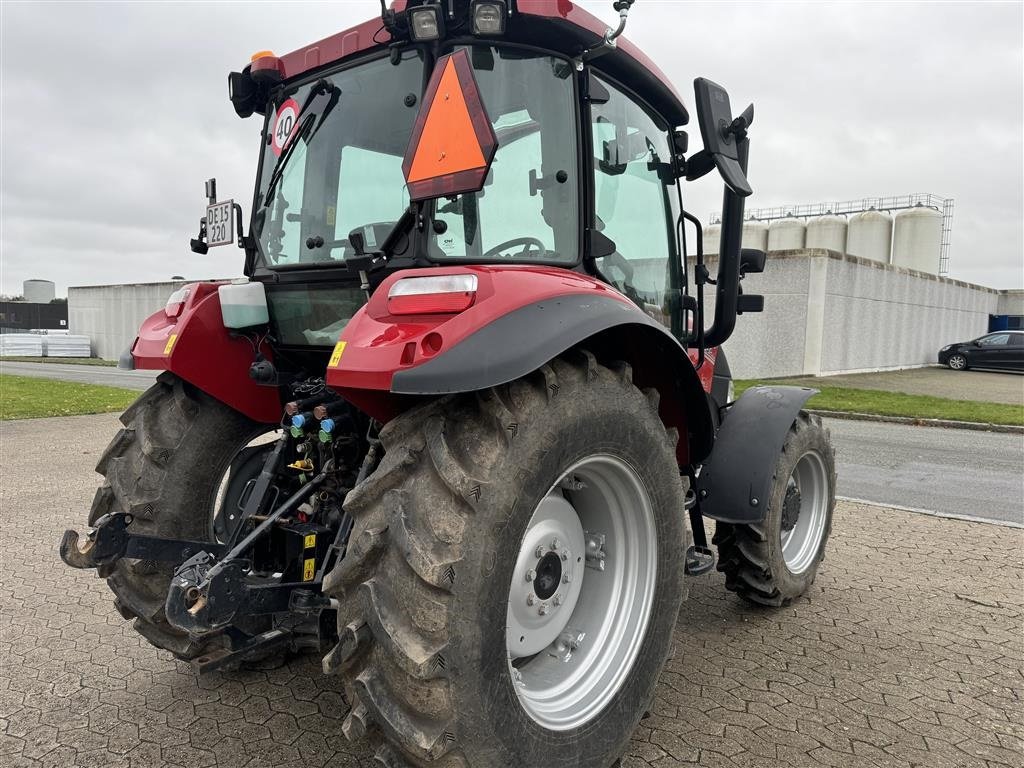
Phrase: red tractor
pixel 461 425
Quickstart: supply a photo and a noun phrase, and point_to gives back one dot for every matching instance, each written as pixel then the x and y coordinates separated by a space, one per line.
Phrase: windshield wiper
pixel 322 98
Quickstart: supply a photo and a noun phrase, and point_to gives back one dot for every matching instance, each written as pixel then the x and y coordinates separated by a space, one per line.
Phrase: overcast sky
pixel 113 114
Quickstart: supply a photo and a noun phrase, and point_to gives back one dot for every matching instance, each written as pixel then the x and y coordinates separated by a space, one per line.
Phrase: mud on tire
pixel 164 468
pixel 751 556
pixel 424 587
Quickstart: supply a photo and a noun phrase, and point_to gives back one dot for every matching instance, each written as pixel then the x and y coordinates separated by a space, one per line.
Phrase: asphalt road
pixel 86 374
pixel 951 471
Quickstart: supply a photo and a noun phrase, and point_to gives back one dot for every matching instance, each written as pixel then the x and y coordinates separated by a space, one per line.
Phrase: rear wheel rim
pixel 802 542
pixel 578 612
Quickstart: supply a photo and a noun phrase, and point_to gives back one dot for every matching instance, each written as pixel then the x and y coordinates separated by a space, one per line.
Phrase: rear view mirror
pixel 721 133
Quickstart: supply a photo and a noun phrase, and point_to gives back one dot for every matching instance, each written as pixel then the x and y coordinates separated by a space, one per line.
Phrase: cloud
pixel 113 114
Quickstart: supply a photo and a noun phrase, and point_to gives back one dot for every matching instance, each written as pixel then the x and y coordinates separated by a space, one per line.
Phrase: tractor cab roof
pixel 557 25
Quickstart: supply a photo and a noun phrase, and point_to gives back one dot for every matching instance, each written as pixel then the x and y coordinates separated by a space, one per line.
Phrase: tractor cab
pixel 472 134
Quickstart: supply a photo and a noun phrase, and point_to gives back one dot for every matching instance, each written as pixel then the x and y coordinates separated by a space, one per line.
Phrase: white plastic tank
pixel 39 291
pixel 712 238
pixel 787 235
pixel 869 235
pixel 755 235
pixel 917 239
pixel 243 304
pixel 828 232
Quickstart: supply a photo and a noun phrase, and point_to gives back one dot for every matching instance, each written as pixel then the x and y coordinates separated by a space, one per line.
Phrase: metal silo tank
pixel 917 239
pixel 755 235
pixel 828 232
pixel 38 291
pixel 712 238
pixel 787 235
pixel 869 235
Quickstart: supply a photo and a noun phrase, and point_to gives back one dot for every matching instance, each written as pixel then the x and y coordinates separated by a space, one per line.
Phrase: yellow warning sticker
pixel 170 343
pixel 339 350
pixel 332 215
pixel 310 541
pixel 308 569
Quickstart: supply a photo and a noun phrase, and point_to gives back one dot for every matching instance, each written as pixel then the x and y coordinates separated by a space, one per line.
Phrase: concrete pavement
pixel 907 652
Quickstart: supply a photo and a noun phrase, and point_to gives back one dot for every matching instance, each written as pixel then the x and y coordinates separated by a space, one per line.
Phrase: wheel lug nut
pixel 555 544
pixel 531 575
pixel 539 552
pixel 557 600
pixel 543 609
pixel 567 578
pixel 531 599
pixel 565 556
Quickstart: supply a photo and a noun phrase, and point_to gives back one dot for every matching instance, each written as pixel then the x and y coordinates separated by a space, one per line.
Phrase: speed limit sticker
pixel 285 125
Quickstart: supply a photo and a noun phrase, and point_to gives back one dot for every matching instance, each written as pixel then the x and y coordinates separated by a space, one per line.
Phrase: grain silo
pixel 828 232
pixel 39 291
pixel 917 239
pixel 869 235
pixel 755 235
pixel 712 238
pixel 787 235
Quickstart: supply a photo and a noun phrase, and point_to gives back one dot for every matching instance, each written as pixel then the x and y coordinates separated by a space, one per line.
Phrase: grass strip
pixel 883 403
pixel 27 397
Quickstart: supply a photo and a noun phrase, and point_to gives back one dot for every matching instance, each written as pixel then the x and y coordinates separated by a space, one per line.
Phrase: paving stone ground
pixel 908 652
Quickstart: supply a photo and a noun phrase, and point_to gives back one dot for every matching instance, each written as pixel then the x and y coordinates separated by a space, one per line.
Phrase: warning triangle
pixel 453 143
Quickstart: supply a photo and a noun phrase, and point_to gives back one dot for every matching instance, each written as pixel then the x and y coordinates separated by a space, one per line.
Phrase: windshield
pixel 527 209
pixel 344 171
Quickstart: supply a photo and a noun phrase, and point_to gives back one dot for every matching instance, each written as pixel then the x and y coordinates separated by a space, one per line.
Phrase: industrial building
pixel 37 309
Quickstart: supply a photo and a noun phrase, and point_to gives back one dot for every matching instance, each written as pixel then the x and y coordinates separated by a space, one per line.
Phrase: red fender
pixel 522 317
pixel 197 347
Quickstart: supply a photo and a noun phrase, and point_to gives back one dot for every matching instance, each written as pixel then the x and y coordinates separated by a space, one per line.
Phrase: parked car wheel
pixel 957 362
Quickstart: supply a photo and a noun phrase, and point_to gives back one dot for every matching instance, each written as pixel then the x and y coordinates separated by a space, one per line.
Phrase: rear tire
pixel 165 468
pixel 776 560
pixel 425 586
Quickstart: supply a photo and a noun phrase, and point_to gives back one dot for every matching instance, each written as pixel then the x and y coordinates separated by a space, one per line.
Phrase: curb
pixel 917 422
pixel 933 513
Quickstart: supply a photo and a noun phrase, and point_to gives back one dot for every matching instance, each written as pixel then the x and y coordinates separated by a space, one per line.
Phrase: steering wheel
pixel 529 244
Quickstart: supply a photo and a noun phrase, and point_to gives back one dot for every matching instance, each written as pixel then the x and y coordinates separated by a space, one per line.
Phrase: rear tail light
pixel 443 294
pixel 176 302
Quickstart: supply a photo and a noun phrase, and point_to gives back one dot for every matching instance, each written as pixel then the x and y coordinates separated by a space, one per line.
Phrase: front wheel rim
pixel 957 363
pixel 582 592
pixel 811 483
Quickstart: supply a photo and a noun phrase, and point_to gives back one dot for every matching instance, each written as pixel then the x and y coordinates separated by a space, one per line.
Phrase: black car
pixel 1003 350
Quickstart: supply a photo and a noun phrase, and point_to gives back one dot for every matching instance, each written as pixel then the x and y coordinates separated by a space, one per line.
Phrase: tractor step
pixel 699 560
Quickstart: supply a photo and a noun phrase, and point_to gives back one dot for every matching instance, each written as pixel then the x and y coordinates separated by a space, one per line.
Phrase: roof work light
pixel 425 23
pixel 489 17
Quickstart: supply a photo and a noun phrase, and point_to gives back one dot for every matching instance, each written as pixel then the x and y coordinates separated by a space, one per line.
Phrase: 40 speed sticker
pixel 285 125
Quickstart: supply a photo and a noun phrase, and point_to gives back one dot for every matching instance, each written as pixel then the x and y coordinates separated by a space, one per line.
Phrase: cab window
pixel 632 203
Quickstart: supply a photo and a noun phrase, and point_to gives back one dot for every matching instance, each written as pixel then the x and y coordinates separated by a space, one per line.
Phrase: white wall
pixel 112 314
pixel 828 313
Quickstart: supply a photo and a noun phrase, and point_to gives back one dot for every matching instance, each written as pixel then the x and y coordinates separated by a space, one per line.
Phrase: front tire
pixel 441 531
pixel 957 362
pixel 165 468
pixel 776 560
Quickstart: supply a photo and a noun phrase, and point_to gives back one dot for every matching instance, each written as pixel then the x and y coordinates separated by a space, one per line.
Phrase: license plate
pixel 219 230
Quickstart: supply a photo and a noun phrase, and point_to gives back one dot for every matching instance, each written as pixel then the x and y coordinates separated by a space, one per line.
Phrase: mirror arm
pixel 699 165
pixel 728 284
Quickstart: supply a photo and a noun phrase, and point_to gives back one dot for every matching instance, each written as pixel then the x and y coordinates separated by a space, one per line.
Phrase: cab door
pixel 636 247
pixel 993 351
